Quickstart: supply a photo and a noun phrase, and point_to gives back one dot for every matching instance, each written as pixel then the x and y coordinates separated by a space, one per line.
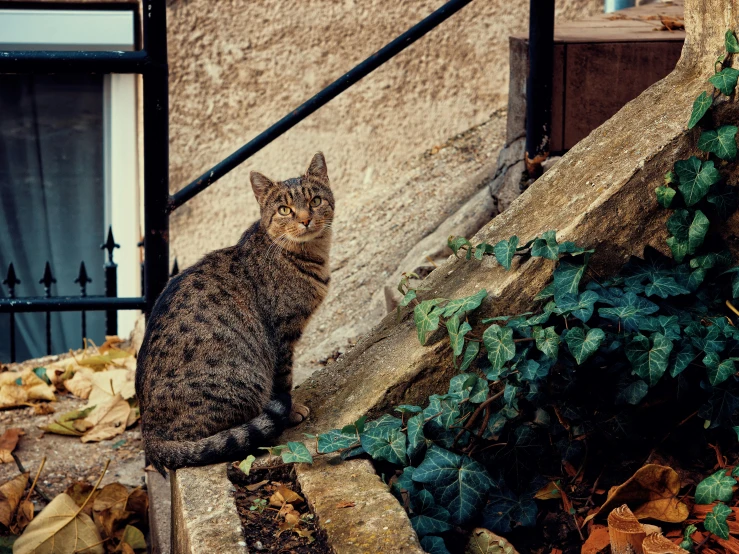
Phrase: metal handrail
pixel 322 98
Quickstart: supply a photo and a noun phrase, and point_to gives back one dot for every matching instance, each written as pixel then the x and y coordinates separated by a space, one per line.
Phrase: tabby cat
pixel 214 371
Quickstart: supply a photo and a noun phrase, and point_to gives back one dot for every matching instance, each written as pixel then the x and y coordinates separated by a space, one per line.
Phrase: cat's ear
pixel 260 184
pixel 317 168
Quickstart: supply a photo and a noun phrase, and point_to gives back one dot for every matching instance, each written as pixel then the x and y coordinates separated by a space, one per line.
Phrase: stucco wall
pixel 238 65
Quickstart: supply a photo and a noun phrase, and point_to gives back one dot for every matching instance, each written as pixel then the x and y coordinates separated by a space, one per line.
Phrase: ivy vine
pixel 531 388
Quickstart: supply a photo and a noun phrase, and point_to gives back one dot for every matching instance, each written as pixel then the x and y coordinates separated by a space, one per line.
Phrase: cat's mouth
pixel 306 235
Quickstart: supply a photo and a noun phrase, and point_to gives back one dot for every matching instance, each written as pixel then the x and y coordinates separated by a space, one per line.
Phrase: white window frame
pixel 95 30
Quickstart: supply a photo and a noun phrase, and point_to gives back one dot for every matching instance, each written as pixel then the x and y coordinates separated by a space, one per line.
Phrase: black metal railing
pixel 151 63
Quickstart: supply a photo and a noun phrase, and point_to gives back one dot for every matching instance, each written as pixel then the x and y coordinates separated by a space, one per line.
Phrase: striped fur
pixel 214 371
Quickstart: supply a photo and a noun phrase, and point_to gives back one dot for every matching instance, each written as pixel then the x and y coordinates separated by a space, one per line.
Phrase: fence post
pixel 82 279
pixel 47 280
pixel 11 280
pixel 539 85
pixel 111 283
pixel 156 152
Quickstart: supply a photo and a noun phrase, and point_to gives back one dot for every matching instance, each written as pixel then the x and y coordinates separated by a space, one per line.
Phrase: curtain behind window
pixel 51 200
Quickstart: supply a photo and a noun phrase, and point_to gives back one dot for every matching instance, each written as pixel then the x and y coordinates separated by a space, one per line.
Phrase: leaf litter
pixel 274 513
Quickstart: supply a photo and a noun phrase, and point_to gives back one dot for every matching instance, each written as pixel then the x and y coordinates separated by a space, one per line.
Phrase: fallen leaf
pixel 110 342
pixel 108 384
pixel 61 527
pixel 257 486
pixel 8 442
pixel 65 423
pixel 113 495
pixel 650 493
pixel 11 493
pixel 79 385
pixel 106 420
pixel 101 361
pixel 23 517
pixel 43 409
pixel 289 495
pixel 79 492
pixel 133 416
pixel 138 503
pixel 483 541
pixel 597 541
pixel 305 533
pixel 346 505
pixel 549 491
pixel 18 389
pixel 133 538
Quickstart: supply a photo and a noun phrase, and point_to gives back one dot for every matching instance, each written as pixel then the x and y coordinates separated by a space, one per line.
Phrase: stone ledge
pixel 204 516
pixel 376 522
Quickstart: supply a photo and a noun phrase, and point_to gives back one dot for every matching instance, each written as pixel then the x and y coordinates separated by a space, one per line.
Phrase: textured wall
pixel 238 65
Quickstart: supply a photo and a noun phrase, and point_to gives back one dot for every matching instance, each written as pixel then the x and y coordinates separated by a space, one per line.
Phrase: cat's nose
pixel 306 222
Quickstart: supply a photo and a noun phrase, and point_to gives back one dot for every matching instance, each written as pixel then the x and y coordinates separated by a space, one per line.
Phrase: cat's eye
pixel 284 210
pixel 315 201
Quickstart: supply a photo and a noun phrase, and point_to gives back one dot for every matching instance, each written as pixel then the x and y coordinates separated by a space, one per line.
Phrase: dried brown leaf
pixel 346 505
pixel 79 492
pixel 257 486
pixel 8 442
pixel 11 493
pixel 483 541
pixel 106 420
pixel 23 517
pixel 652 492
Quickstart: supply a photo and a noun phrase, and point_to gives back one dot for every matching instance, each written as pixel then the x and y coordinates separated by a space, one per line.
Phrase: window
pixel 68 170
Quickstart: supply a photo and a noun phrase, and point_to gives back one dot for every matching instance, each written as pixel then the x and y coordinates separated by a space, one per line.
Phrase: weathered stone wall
pixel 238 65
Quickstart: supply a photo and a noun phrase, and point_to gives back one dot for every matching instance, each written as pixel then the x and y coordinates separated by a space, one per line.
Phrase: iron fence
pixel 151 63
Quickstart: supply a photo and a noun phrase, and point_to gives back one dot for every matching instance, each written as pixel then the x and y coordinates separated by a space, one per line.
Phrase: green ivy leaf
pixel 457 482
pixel 505 250
pixel 409 297
pixel 634 393
pixel 416 438
pixel 686 355
pixel 296 452
pixel 470 353
pixel 700 107
pixel 583 346
pixel 716 520
pixel 546 246
pixel 725 80
pixel 569 247
pixel 461 306
pixel 679 248
pixel 531 370
pixel 697 231
pixel 499 343
pixel 482 249
pixel 473 387
pixel 504 508
pixel 385 443
pixel 721 372
pixel 434 545
pixel 385 420
pixel 447 408
pixel 665 196
pixel 245 465
pixel 336 440
pixel 718 486
pixel 732 46
pixel 724 199
pixel 696 178
pixel 628 309
pixel 426 316
pixel 457 333
pixel 567 278
pixel 429 517
pixel 547 340
pixel 408 409
pixel 455 243
pixel 721 142
pixel 649 361
pixel 664 286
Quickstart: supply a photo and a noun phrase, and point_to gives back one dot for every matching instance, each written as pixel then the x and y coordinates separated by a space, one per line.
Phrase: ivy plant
pixel 474 454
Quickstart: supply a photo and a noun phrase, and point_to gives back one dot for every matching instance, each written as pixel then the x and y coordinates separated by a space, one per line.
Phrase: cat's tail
pixel 231 444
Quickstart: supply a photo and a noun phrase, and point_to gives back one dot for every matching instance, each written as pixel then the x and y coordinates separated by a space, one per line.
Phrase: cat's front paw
pixel 298 414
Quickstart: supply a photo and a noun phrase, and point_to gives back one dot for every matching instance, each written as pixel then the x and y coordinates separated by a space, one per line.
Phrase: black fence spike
pixel 11 281
pixel 110 244
pixel 175 268
pixel 83 279
pixel 48 279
